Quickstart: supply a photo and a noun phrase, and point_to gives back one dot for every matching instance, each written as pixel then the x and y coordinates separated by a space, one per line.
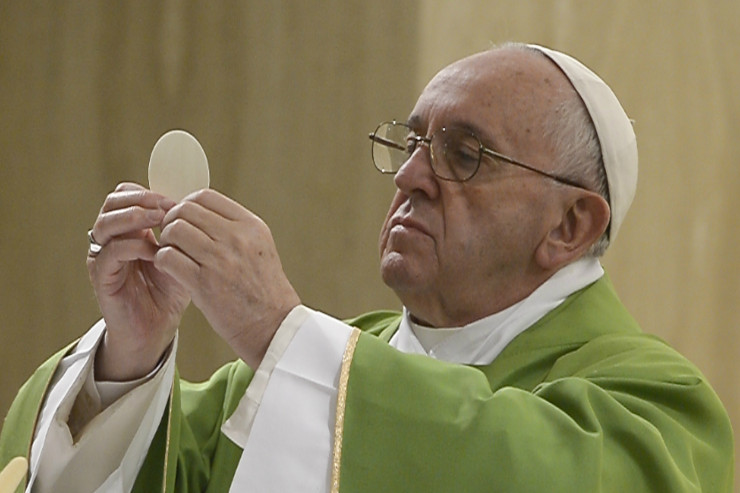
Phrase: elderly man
pixel 513 366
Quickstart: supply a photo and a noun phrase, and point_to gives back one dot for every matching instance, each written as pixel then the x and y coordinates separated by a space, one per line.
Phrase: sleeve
pixel 287 434
pixel 60 407
pixel 188 451
pixel 623 414
pixel 83 444
pixel 268 430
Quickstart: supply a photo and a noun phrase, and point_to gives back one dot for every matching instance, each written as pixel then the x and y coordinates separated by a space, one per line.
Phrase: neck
pixel 570 277
pixel 458 307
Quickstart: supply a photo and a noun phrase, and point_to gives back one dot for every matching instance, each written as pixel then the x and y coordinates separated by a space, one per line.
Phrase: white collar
pixel 479 342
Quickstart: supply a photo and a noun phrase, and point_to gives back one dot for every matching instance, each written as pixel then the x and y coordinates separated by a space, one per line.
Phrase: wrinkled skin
pixel 453 252
pixel 211 250
pixel 456 252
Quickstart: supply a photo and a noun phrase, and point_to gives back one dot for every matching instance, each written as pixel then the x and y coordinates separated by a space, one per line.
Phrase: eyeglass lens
pixel 455 153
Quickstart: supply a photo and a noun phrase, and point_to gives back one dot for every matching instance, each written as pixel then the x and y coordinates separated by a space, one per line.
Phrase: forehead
pixel 500 94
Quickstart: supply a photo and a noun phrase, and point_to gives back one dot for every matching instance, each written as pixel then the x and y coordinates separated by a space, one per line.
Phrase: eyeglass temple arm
pixel 386 142
pixel 560 179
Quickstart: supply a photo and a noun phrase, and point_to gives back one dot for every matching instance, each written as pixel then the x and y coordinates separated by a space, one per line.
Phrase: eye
pixel 465 152
pixel 462 152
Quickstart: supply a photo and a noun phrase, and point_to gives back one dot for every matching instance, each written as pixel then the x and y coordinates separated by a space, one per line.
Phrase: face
pixel 455 252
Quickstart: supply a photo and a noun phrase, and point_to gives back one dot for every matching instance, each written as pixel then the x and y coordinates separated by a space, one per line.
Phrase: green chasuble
pixel 582 401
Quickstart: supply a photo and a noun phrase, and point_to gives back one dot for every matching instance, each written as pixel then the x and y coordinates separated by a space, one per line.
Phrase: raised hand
pixel 142 306
pixel 225 257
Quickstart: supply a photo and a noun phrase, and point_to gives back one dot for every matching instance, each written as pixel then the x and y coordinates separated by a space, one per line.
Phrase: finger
pixel 129 222
pixel 209 222
pixel 136 209
pixel 179 266
pixel 218 203
pixel 129 185
pixel 213 213
pixel 189 239
pixel 126 250
pixel 147 234
pixel 142 197
pixel 106 265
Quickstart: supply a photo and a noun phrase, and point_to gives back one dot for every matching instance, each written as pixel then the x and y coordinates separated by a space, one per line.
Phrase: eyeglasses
pixel 456 153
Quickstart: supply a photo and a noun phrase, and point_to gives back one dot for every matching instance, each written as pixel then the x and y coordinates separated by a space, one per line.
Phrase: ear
pixel 585 218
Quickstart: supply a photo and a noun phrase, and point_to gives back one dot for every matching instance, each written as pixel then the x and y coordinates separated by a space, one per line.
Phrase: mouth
pixel 408 224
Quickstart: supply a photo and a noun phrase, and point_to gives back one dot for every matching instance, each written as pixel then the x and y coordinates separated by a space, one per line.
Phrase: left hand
pixel 225 256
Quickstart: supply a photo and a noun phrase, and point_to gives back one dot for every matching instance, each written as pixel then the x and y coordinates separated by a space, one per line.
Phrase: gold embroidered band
pixel 349 352
pixel 168 410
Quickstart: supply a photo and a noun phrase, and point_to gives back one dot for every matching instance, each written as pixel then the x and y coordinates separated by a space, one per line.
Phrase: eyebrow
pixel 415 123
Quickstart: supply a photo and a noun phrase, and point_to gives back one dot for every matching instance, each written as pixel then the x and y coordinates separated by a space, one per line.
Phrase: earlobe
pixel 581 225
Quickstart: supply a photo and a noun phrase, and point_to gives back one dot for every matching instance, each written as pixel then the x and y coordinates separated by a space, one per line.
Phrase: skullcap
pixel 613 128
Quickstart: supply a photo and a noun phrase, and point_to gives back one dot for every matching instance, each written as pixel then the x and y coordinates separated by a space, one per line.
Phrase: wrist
pixel 252 343
pixel 115 361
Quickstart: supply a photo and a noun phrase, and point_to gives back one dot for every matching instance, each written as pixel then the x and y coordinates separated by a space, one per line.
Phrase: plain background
pixel 282 95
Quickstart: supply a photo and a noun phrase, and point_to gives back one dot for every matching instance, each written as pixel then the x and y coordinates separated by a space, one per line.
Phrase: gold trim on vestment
pixel 169 430
pixel 349 353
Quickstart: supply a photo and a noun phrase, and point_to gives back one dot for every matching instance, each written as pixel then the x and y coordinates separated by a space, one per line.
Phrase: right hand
pixel 142 306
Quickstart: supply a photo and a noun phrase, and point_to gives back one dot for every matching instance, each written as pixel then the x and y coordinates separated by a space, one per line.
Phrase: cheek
pixel 467 243
pixel 479 230
pixel 504 238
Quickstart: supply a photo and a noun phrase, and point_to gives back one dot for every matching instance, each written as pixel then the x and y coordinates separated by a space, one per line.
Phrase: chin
pixel 401 274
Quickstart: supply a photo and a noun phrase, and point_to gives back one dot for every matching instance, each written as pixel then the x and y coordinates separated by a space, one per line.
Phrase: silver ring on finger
pixel 94 247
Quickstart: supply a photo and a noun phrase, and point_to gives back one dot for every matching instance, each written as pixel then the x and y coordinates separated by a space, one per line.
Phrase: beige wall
pixel 282 95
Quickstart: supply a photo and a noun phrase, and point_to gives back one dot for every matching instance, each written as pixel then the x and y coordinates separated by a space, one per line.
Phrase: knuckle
pixel 128 185
pixel 172 231
pixel 165 255
pixel 185 207
pixel 128 216
pixel 110 201
pixel 180 210
pixel 122 197
pixel 181 224
pixel 137 215
pixel 118 221
pixel 201 194
pixel 255 226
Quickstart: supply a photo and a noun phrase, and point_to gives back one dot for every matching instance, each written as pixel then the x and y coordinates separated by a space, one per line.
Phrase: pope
pixel 513 365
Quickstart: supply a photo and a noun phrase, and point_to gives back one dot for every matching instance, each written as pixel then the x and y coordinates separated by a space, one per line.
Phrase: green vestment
pixel 582 401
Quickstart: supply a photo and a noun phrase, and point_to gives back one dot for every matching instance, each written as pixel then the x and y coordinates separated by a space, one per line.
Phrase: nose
pixel 416 174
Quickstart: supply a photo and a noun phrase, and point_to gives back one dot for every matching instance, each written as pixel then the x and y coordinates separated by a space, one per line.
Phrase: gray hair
pixel 571 132
pixel 578 153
